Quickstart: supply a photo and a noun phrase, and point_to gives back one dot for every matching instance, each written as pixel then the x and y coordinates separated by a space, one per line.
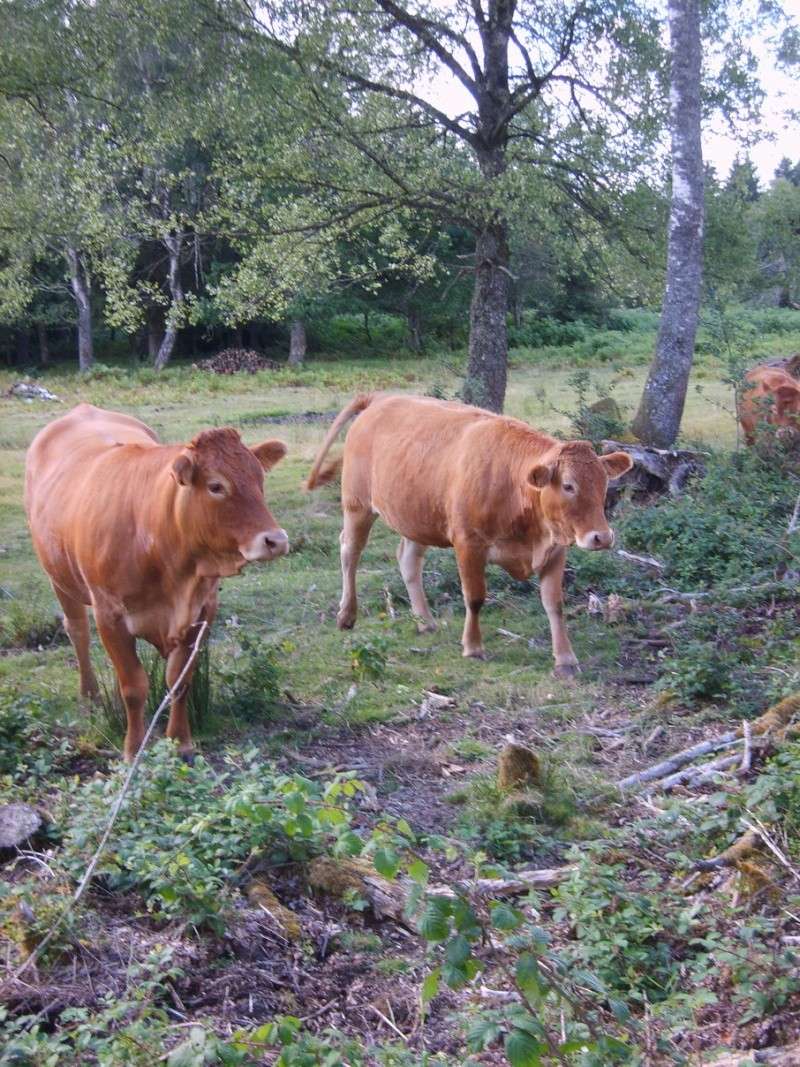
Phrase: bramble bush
pixel 183 830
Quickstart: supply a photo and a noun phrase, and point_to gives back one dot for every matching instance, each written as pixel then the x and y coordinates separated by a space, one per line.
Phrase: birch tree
pixel 660 411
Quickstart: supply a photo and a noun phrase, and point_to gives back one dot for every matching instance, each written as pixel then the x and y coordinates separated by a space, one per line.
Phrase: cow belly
pixel 417 524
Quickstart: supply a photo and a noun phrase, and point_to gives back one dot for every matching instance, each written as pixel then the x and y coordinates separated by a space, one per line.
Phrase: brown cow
pixel 770 396
pixel 142 532
pixel 444 474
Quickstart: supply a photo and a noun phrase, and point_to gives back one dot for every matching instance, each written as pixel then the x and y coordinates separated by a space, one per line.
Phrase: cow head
pixel 220 501
pixel 572 482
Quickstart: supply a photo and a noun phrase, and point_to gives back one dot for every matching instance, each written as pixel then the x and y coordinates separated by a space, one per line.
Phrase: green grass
pixel 292 603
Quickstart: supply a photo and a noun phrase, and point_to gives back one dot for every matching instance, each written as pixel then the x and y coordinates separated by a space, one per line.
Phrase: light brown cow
pixel 444 474
pixel 142 532
pixel 770 396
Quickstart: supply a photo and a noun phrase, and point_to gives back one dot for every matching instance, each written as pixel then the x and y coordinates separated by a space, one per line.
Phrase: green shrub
pixel 725 528
pixel 183 831
pixel 32 748
pixel 624 931
pixel 245 676
pixel 540 331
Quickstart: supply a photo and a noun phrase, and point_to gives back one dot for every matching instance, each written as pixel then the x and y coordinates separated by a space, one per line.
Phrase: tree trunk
pixel 23 348
pixel 82 291
pixel 659 416
pixel 414 323
pixel 485 384
pixel 173 244
pixel 298 345
pixel 155 332
pixel 44 344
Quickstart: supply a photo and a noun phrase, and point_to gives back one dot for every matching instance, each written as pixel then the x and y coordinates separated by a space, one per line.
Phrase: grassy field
pixel 356 701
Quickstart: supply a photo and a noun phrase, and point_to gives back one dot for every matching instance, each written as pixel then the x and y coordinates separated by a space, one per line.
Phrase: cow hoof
pixel 566 670
pixel 345 622
pixel 426 627
pixel 187 757
pixel 477 653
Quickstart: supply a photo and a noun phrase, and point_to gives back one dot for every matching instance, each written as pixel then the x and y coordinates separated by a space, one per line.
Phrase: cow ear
pixel 183 469
pixel 269 453
pixel 541 475
pixel 616 463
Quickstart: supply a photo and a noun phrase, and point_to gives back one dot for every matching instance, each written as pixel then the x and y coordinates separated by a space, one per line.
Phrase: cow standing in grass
pixel 772 396
pixel 142 533
pixel 444 474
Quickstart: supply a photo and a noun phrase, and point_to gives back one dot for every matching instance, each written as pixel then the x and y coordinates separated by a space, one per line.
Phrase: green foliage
pixel 184 831
pixel 559 1013
pixel 32 748
pixel 245 676
pixel 27 624
pixel 725 528
pixel 368 658
pixel 624 930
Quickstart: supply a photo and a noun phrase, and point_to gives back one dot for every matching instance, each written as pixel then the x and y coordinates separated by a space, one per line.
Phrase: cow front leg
pixel 76 623
pixel 551 591
pixel 131 676
pixel 178 725
pixel 411 558
pixel 353 538
pixel 471 561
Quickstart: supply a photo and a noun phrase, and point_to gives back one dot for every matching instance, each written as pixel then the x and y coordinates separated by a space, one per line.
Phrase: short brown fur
pixel 445 474
pixel 771 396
pixel 142 532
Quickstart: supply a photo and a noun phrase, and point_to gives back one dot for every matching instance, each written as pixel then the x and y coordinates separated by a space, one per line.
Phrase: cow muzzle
pixel 595 540
pixel 269 544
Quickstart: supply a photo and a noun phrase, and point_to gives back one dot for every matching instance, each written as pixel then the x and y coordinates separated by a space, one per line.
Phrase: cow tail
pixel 319 475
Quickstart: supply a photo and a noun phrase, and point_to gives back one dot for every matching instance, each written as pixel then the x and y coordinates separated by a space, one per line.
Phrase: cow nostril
pixel 276 539
pixel 598 540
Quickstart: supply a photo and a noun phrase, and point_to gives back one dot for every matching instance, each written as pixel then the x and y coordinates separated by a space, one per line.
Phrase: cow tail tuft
pixel 319 474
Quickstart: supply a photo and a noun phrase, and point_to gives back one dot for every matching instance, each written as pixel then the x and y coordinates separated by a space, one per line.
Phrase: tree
pixel 555 95
pixel 661 408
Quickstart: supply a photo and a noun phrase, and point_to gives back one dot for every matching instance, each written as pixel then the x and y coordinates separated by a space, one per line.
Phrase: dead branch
pixel 680 759
pixel 694 776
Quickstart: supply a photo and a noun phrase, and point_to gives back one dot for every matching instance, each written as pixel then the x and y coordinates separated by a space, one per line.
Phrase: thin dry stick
pixel 747 756
pixel 84 882
pixel 761 830
pixel 794 522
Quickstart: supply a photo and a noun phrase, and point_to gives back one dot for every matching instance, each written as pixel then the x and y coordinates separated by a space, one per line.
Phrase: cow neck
pixel 524 447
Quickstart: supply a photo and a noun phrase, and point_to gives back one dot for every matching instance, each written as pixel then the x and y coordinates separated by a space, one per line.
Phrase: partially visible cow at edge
pixel 443 474
pixel 772 396
pixel 142 532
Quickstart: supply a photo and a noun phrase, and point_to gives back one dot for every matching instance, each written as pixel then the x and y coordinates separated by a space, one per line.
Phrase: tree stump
pixel 655 471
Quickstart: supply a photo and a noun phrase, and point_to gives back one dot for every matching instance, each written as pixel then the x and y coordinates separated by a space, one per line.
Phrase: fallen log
pixel 389 899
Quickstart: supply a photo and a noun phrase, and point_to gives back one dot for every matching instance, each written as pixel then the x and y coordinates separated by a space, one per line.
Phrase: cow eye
pixel 569 487
pixel 216 488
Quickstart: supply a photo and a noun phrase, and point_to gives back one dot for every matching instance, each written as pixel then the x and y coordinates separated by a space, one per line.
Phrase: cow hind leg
pixel 552 594
pixel 131 676
pixel 472 569
pixel 353 538
pixel 411 558
pixel 76 623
